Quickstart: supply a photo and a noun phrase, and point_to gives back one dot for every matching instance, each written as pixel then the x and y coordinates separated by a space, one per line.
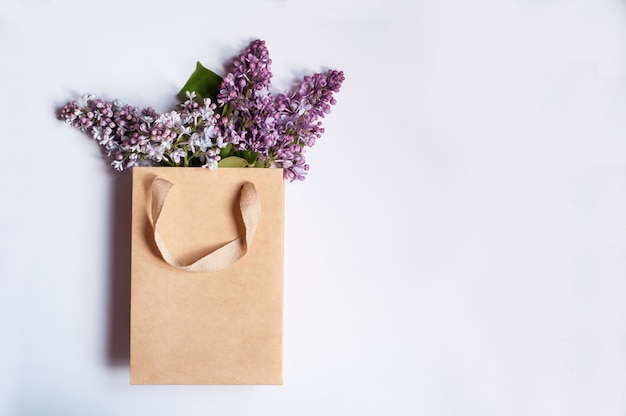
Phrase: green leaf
pixel 204 82
pixel 226 111
pixel 233 162
pixel 259 164
pixel 249 155
pixel 226 151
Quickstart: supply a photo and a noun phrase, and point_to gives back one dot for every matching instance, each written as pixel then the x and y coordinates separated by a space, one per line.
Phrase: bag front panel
pixel 221 327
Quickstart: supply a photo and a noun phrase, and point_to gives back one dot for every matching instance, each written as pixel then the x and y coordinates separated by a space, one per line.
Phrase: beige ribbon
pixel 223 256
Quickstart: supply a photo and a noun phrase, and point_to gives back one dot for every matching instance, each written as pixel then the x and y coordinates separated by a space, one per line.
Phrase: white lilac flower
pixel 200 141
pixel 177 155
pixel 184 129
pixel 118 165
pixel 210 164
pixel 209 132
pixel 171 119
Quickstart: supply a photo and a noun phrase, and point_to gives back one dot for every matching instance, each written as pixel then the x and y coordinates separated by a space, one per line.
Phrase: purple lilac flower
pixel 300 110
pixel 132 137
pixel 277 127
pixel 297 124
pixel 116 127
pixel 246 91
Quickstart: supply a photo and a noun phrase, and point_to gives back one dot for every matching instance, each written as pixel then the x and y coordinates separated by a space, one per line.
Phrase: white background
pixel 459 247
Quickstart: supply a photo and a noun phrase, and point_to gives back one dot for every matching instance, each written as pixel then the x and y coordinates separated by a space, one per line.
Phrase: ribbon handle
pixel 223 256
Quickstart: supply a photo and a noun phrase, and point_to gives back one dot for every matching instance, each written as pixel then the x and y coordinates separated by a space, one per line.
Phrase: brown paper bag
pixel 197 327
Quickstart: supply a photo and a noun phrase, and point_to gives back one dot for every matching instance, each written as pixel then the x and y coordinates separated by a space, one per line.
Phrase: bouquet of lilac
pixel 222 122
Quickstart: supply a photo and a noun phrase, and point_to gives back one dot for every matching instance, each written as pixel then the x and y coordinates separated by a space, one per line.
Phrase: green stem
pixel 185 158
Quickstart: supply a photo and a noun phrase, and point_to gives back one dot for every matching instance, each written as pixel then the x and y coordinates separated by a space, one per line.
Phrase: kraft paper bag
pixel 207 281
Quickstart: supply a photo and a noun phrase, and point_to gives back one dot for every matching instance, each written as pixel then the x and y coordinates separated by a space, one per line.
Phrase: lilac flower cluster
pixel 251 125
pixel 245 91
pixel 277 127
pixel 132 137
pixel 297 119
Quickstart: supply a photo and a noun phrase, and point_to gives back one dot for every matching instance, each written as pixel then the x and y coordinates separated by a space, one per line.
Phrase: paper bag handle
pixel 223 256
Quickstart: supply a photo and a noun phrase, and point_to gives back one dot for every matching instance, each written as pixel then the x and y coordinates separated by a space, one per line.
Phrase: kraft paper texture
pixel 222 327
